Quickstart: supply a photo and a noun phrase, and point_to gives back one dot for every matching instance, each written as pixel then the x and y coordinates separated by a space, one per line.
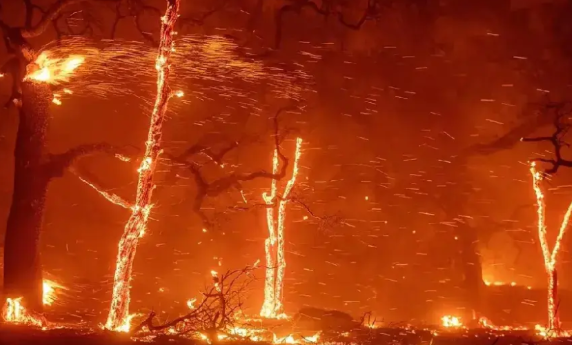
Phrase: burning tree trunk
pixel 550 258
pixel 118 318
pixel 22 267
pixel 273 306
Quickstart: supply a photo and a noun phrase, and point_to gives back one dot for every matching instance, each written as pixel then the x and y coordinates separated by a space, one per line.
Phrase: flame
pixel 501 283
pixel 49 294
pixel 126 325
pixel 550 258
pixel 135 228
pixel 274 245
pixel 289 339
pixel 14 312
pixel 191 303
pixel 449 321
pixel 56 99
pixel 486 323
pixel 551 333
pixel 54 70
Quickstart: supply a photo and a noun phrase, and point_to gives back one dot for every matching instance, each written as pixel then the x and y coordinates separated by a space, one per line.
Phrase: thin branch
pixel 325 10
pixel 58 163
pixel 200 20
pixel 111 197
pixel 135 9
pixel 561 128
pixel 49 16
pixel 215 312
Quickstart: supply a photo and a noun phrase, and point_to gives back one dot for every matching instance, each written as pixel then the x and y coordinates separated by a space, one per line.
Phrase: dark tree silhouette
pixel 559 113
pixel 34 167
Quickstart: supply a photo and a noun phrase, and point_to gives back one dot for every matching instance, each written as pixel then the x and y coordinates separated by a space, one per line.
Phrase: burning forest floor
pixel 14 334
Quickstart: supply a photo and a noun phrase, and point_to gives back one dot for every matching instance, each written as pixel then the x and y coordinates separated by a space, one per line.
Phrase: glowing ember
pixel 486 323
pixel 274 245
pixel 549 257
pixel 118 316
pixel 56 100
pixel 449 321
pixel 14 312
pixel 53 71
pixel 191 303
pixel 290 339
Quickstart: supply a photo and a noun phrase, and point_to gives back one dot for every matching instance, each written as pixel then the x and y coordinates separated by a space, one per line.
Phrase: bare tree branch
pixel 216 312
pixel 326 9
pixel 90 181
pixel 200 20
pixel 233 180
pixel 135 9
pixel 49 16
pixel 561 112
pixel 58 163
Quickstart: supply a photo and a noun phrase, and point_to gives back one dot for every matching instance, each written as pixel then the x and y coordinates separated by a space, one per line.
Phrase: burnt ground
pixel 12 335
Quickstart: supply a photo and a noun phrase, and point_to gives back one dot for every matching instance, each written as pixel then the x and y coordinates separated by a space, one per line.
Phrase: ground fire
pixel 285 172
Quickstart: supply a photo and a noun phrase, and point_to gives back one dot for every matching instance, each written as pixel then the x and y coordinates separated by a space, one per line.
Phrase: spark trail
pixel 206 66
pixel 273 306
pixel 118 317
pixel 550 258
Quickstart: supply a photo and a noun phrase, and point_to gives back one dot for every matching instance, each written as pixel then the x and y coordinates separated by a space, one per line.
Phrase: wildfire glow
pixel 118 316
pixel 274 245
pixel 550 258
pixel 449 321
pixel 54 70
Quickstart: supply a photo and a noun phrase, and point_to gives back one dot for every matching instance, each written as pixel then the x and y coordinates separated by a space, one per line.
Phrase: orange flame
pixel 14 312
pixel 449 321
pixel 274 245
pixel 119 316
pixel 54 70
pixel 49 294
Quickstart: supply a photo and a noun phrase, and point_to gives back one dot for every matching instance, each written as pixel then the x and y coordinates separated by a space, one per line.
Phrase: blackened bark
pixel 22 266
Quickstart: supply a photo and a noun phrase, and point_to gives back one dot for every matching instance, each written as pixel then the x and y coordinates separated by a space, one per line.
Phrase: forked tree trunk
pixel 22 266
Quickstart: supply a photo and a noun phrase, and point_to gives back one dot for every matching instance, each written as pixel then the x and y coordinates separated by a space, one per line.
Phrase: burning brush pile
pixel 216 317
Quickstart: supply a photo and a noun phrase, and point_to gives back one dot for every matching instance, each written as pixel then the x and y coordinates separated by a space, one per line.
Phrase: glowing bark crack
pixel 119 318
pixel 273 306
pixel 550 258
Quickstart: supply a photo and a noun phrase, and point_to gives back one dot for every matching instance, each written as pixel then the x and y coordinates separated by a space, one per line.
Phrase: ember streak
pixel 273 306
pixel 119 318
pixel 550 257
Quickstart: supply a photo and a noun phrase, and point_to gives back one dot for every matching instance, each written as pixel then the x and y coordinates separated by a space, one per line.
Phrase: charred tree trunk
pixel 22 266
